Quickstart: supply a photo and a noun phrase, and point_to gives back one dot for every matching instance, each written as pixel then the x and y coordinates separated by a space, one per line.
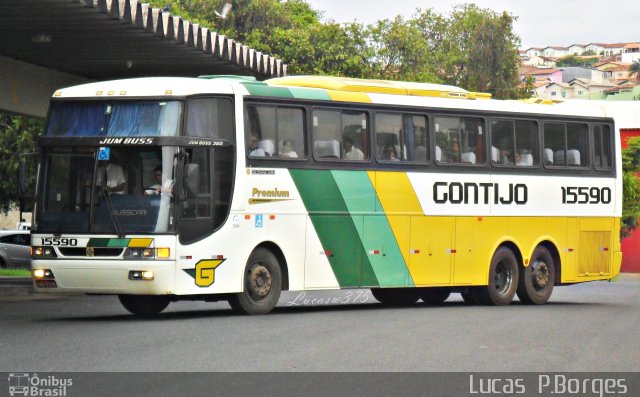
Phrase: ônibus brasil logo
pixel 23 384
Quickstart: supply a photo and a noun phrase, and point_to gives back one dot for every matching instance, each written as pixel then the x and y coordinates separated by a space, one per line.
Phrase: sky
pixel 540 23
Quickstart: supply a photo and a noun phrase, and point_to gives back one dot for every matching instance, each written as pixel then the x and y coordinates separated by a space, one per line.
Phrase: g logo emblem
pixel 206 272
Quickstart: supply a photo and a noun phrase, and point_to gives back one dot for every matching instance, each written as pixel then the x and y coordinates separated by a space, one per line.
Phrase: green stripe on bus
pixel 309 93
pixel 261 89
pixel 337 231
pixel 376 234
pixel 108 242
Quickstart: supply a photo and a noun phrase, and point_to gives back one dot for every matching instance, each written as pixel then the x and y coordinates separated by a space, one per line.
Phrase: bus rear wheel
pixel 262 284
pixel 503 279
pixel 144 305
pixel 395 296
pixel 435 295
pixel 537 279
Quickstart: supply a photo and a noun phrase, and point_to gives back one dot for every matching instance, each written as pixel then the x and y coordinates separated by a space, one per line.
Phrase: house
pixel 627 90
pixel 534 51
pixel 539 74
pixel 596 48
pixel 539 61
pixel 577 88
pixel 555 51
pixel 631 53
pixel 555 90
pixel 616 71
pixel 589 89
pixel 572 72
pixel 613 49
pixel 577 49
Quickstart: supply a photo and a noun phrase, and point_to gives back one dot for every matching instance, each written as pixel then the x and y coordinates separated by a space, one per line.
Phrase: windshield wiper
pixel 107 199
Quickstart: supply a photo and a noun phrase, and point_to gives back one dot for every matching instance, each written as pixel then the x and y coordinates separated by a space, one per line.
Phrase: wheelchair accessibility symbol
pixel 259 220
pixel 103 153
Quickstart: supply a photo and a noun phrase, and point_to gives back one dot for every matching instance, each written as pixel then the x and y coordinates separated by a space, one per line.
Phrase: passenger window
pixel 401 137
pixel 210 118
pixel 272 131
pixel 565 144
pixel 459 140
pixel 602 147
pixel 514 142
pixel 340 135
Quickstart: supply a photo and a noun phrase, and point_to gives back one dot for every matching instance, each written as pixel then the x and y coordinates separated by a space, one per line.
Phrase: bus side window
pixel 274 131
pixel 401 137
pixel 569 143
pixel 340 135
pixel 514 142
pixel 459 140
pixel 602 147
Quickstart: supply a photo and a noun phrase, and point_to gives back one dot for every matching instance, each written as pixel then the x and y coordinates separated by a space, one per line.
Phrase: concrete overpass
pixel 48 44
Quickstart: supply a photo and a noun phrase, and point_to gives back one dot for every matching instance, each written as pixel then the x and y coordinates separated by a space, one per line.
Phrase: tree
pixel 572 60
pixel 630 187
pixel 479 51
pixel 17 135
pixel 634 69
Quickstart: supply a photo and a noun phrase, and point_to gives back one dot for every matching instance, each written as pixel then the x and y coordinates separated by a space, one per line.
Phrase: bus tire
pixel 503 279
pixel 537 280
pixel 435 295
pixel 395 296
pixel 262 284
pixel 144 305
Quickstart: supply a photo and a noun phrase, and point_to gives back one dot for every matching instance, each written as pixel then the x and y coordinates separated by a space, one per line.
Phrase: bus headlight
pixel 41 274
pixel 43 252
pixel 141 275
pixel 139 253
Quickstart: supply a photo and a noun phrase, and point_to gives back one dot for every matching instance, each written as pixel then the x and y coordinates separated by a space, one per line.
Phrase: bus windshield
pixel 107 190
pixel 114 118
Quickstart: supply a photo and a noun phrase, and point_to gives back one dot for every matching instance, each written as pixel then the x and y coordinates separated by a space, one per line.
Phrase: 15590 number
pixel 60 242
pixel 585 195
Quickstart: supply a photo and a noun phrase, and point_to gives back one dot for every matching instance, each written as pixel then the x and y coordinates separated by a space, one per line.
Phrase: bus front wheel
pixel 261 286
pixel 537 279
pixel 144 305
pixel 503 279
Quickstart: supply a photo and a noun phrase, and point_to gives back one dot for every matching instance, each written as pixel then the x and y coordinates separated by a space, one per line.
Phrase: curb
pixel 16 286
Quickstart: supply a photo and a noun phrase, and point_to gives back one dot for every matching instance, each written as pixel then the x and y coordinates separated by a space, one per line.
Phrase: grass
pixel 15 273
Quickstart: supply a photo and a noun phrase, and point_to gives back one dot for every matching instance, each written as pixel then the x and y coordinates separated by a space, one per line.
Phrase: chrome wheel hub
pixel 503 278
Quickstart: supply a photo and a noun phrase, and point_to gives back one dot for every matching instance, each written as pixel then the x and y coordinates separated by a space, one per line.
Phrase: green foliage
pixel 630 187
pixel 17 135
pixel 634 69
pixel 470 47
pixel 572 60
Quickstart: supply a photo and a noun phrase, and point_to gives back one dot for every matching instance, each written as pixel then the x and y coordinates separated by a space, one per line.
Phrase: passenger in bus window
pixel 159 186
pixel 351 152
pixel 286 150
pixel 258 147
pixel 113 174
pixel 454 155
pixel 389 153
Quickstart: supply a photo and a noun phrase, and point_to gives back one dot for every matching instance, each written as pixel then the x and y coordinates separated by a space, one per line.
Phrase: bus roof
pixel 327 88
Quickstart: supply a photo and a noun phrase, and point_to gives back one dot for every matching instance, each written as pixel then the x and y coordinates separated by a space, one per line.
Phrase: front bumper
pixel 108 276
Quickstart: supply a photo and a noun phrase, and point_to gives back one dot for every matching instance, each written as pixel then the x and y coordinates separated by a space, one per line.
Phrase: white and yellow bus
pixel 226 188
